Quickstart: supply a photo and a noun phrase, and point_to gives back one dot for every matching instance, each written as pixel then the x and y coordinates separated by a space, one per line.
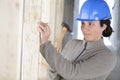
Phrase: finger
pixel 40 30
pixel 43 26
pixel 42 23
pixel 48 29
pixel 42 33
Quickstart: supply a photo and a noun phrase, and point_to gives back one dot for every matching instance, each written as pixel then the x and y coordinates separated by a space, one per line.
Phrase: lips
pixel 86 34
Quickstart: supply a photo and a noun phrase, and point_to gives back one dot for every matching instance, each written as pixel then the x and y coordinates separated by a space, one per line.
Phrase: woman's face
pixel 92 31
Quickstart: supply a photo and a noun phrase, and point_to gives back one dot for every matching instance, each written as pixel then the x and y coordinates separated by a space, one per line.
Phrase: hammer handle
pixel 59 43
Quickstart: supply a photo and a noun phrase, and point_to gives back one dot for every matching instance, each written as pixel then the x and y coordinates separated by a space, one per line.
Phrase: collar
pixel 94 44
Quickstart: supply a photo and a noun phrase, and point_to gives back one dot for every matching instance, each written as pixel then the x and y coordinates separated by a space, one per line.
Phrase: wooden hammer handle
pixel 59 43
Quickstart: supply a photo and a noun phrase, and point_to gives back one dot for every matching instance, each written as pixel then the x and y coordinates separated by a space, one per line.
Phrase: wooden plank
pixel 9 39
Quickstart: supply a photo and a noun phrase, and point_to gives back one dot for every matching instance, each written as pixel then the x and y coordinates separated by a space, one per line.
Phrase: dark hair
pixel 108 31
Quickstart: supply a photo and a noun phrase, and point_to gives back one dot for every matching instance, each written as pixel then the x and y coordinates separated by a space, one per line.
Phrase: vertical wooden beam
pixel 44 16
pixel 30 54
pixel 54 19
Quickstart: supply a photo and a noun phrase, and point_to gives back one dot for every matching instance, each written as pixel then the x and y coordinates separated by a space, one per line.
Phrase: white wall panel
pixel 9 39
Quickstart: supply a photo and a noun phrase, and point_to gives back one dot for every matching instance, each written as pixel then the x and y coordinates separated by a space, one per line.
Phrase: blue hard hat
pixel 93 10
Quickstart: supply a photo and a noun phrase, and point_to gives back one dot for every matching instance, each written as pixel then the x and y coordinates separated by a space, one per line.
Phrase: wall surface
pixel 9 39
pixel 34 67
pixel 20 58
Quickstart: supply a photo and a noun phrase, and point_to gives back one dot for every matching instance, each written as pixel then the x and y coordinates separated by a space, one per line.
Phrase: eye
pixel 82 24
pixel 91 24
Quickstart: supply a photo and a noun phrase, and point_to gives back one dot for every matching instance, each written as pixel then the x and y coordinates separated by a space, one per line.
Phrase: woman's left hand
pixel 44 31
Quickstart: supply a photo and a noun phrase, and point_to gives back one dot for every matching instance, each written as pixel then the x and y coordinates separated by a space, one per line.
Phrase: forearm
pixel 52 73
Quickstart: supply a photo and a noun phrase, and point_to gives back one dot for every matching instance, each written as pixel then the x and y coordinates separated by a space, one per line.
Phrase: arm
pixel 96 66
pixel 44 33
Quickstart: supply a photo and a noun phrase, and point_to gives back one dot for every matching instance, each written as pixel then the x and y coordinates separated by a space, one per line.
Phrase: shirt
pixel 95 63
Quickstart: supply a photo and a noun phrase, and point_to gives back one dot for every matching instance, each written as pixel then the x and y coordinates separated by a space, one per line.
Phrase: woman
pixel 87 59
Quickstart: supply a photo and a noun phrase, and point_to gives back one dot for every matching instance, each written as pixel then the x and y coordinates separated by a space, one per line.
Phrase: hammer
pixel 65 28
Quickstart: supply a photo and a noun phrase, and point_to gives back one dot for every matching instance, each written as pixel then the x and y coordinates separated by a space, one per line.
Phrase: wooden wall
pixel 20 58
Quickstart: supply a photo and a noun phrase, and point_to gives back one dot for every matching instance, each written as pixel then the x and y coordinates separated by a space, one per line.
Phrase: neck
pixel 93 40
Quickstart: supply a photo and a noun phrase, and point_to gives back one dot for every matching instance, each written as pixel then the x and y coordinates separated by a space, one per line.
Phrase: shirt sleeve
pixel 96 66
pixel 52 74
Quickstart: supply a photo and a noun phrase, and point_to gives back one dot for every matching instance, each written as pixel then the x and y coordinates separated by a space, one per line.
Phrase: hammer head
pixel 66 26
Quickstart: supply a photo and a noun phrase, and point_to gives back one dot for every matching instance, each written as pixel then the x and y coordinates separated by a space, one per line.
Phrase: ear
pixel 104 27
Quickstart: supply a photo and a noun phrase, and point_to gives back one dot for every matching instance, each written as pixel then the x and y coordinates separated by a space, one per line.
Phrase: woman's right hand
pixel 44 31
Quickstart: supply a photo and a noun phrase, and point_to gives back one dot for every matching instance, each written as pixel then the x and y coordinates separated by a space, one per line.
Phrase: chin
pixel 88 39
